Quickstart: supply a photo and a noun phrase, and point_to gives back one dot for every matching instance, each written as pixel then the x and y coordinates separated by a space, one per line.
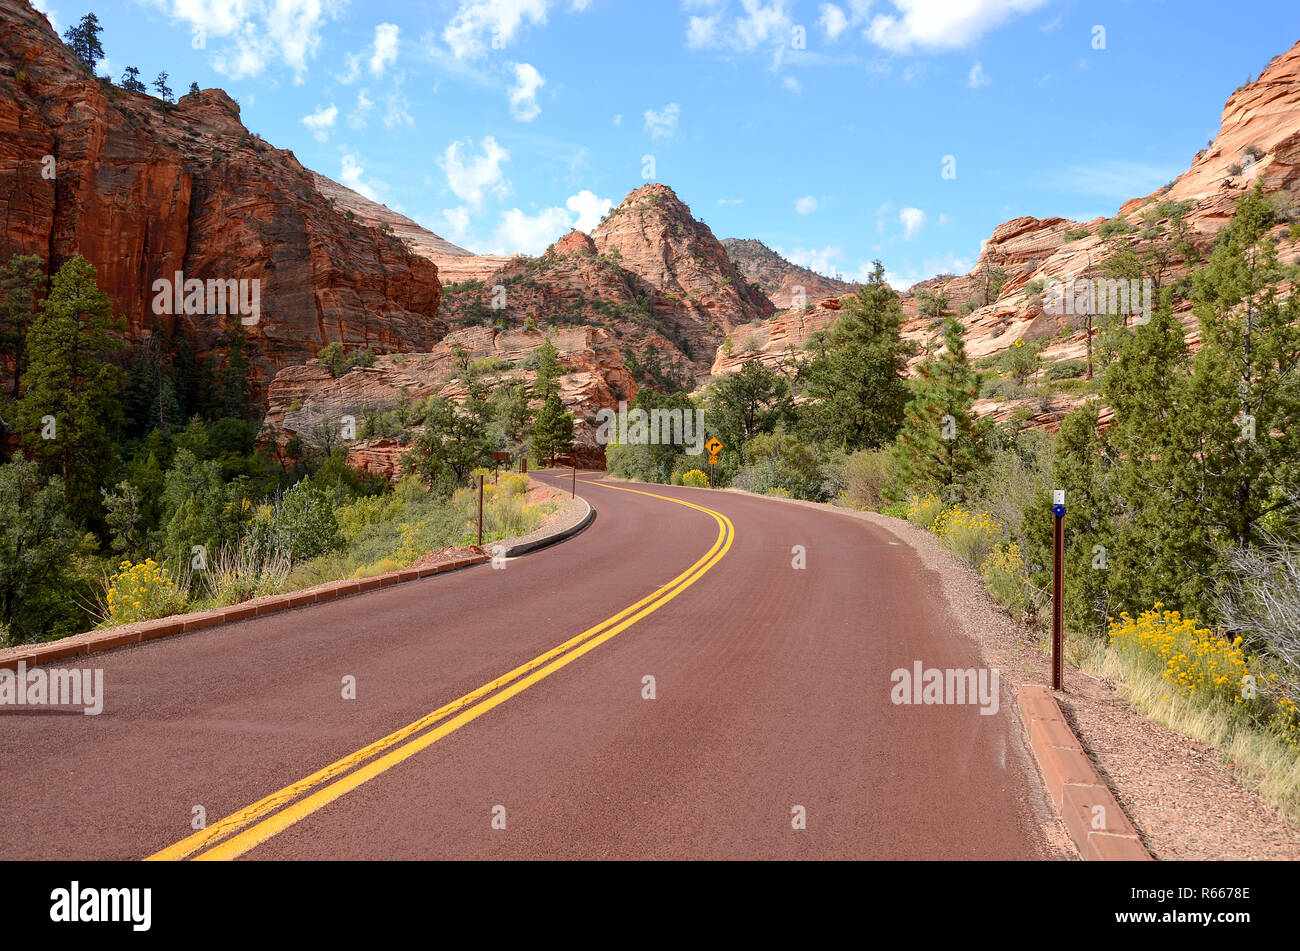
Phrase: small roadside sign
pixel 714 446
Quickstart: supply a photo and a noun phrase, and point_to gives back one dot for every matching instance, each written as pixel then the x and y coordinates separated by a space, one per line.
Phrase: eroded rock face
pixel 310 402
pixel 782 281
pixel 144 189
pixel 698 291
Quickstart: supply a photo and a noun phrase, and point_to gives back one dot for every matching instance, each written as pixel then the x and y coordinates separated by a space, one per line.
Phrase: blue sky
pixel 822 129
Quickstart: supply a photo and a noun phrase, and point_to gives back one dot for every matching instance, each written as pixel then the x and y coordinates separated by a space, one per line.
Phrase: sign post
pixel 714 446
pixel 573 494
pixel 1058 589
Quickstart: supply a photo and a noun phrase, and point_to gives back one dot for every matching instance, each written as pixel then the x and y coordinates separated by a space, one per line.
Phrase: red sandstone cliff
pixel 144 188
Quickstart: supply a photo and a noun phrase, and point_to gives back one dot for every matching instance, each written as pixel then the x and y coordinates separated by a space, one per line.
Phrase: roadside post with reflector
pixel 1058 589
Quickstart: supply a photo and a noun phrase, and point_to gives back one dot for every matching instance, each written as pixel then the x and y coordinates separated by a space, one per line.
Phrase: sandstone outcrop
pixel 145 188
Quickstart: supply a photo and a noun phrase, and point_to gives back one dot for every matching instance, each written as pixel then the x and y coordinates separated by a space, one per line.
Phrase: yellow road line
pixel 593 637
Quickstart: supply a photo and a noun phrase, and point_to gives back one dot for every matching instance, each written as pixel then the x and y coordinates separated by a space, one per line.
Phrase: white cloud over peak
pixel 472 178
pixel 589 209
pixel 912 220
pixel 353 176
pixel 663 124
pixel 806 205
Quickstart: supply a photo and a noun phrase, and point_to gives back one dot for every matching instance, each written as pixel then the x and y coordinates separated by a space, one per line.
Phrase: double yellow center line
pixel 251 826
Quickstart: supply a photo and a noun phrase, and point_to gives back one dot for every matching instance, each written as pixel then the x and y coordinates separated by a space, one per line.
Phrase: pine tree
pixel 941 444
pixel 83 40
pixel 160 85
pixel 553 431
pixel 549 370
pixel 131 80
pixel 855 379
pixel 71 399
pixel 1245 390
pixel 194 89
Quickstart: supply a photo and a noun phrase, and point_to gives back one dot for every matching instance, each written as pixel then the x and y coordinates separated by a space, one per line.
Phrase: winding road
pixel 668 684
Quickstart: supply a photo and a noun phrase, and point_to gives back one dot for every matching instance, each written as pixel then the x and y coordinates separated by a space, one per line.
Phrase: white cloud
pixel 832 20
pixel 480 24
pixel 353 176
pixel 385 48
pixel 321 121
pixel 471 178
pixel 520 233
pixel 762 24
pixel 357 118
pixel 618 119
pixel 913 71
pixel 912 220
pixel 820 260
pixel 942 24
pixel 260 32
pixel 398 113
pixel 806 205
pixel 663 124
pixel 835 21
pixel 523 94
pixel 792 84
pixel 977 76
pixel 931 267
pixel 731 201
pixel 589 209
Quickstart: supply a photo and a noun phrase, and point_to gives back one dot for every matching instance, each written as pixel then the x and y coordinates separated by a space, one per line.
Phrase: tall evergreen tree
pixel 71 401
pixel 941 444
pixel 160 86
pixel 83 40
pixel 553 431
pixel 854 380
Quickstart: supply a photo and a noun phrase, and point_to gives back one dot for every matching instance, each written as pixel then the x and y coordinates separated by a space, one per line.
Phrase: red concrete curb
pixel 97 642
pixel 1094 819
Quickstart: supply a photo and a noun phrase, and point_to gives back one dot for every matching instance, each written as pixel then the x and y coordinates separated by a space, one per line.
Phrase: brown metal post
pixel 1058 592
pixel 480 511
pixel 574 493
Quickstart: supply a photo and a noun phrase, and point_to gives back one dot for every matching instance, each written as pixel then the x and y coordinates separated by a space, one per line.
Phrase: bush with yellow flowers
pixel 968 535
pixel 1199 664
pixel 143 592
pixel 695 478
pixel 922 510
pixel 1007 579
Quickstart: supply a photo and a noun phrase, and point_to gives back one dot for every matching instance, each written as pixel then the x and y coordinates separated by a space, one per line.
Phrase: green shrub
pixel 857 480
pixel 1077 234
pixel 1007 579
pixel 1067 369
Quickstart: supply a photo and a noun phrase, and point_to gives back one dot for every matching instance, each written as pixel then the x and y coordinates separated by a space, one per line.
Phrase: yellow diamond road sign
pixel 713 446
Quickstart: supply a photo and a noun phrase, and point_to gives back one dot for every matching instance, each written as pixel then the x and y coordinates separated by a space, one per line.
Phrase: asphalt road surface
pixel 505 713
